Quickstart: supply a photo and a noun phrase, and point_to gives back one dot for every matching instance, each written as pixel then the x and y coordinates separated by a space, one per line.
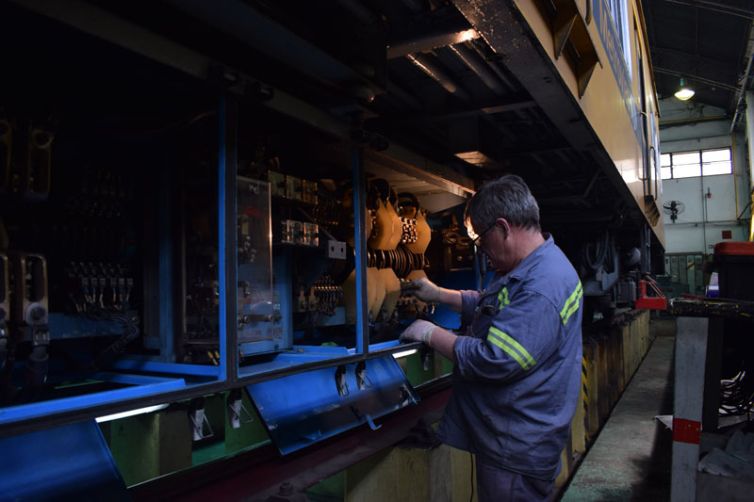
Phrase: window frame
pixel 665 168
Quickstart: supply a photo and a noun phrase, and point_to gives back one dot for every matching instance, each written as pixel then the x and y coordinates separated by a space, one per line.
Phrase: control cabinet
pixel 165 238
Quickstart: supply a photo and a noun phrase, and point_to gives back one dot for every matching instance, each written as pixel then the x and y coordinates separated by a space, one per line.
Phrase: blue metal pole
pixel 226 235
pixel 360 247
pixel 165 266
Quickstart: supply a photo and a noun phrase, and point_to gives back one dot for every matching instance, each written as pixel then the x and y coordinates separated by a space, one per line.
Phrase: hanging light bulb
pixel 684 93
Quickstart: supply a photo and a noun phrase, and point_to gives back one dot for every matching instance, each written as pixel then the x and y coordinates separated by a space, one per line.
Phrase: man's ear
pixel 503 223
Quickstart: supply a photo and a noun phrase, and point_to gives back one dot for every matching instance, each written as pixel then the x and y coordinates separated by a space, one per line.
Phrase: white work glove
pixel 419 331
pixel 424 289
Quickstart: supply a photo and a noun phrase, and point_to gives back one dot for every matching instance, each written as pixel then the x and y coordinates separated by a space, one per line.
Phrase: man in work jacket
pixel 518 367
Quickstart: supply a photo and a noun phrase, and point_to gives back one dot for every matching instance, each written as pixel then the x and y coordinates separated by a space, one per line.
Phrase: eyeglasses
pixel 478 238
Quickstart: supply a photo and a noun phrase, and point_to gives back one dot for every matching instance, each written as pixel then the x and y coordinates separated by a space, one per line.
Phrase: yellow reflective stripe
pixel 572 303
pixel 507 350
pixel 574 309
pixel 510 347
pixel 571 298
pixel 502 298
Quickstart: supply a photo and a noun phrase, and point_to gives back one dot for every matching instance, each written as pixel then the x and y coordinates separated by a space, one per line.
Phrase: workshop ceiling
pixel 708 43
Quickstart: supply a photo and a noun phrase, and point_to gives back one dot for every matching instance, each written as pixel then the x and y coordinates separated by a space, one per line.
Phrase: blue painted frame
pixel 185 376
pixel 23 412
pixel 331 356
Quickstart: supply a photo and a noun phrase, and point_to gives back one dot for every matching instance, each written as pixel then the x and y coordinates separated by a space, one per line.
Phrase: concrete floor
pixel 630 460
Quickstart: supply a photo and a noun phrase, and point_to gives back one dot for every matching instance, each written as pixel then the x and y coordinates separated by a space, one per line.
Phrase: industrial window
pixel 716 162
pixel 696 163
pixel 620 13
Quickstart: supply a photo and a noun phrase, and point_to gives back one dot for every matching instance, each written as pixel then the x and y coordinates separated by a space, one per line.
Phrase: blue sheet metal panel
pixel 307 407
pixel 128 379
pixel 13 414
pixel 139 363
pixel 302 354
pixel 70 462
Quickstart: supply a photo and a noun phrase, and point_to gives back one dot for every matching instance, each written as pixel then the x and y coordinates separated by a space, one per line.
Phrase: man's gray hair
pixel 506 197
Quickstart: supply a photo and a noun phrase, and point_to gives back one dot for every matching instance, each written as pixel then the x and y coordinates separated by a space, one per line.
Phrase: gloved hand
pixel 419 331
pixel 423 289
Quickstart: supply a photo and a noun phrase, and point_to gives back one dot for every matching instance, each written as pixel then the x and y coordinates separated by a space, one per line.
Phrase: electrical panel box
pixel 185 236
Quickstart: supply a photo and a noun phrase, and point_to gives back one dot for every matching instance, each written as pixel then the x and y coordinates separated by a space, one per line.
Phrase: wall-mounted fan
pixel 673 208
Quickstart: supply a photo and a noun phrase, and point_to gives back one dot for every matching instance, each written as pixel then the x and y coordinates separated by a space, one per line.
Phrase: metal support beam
pixel 683 122
pixel 433 71
pixel 716 7
pixel 122 33
pixel 479 67
pixel 748 114
pixel 430 42
pixel 694 60
pixel 510 103
pixel 260 32
pixel 697 78
pixel 503 27
pixel 743 88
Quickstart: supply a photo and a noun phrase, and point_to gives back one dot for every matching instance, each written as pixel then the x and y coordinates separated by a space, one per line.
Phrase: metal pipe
pixel 479 67
pixel 438 75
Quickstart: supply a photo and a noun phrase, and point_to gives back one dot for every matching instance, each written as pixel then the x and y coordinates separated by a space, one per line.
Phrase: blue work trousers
pixel 495 484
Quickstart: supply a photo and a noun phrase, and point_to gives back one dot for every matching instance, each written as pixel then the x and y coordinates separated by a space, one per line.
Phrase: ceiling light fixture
pixel 684 93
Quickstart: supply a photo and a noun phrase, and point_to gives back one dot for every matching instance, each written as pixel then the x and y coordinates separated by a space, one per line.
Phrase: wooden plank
pixel 603 383
pixel 578 424
pixel 442 473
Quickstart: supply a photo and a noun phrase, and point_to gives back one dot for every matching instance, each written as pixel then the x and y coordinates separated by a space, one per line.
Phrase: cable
pixel 736 395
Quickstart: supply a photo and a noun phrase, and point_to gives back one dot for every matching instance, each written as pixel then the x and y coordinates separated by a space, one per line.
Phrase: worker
pixel 518 359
